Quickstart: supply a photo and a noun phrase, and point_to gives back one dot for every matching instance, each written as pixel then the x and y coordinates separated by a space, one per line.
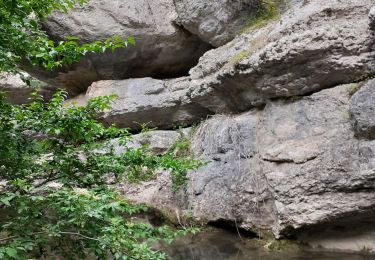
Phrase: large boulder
pixel 216 22
pixel 157 103
pixel 162 49
pixel 289 168
pixel 362 109
pixel 314 45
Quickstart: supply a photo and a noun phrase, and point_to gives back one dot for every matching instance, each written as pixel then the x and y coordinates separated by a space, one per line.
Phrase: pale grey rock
pixel 158 142
pixel 157 103
pixel 292 166
pixel 314 166
pixel 230 187
pixel 312 47
pixel 362 109
pixel 315 45
pixel 216 22
pixel 162 49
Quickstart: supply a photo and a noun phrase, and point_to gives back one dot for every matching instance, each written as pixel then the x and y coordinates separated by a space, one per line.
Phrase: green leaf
pixel 72 38
pixel 131 40
pixel 11 252
pixel 6 200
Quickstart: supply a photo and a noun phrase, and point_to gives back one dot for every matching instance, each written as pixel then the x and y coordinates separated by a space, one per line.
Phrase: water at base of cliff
pixel 223 245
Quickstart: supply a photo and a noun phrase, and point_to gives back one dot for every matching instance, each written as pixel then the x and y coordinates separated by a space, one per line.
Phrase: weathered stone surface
pixel 216 22
pixel 314 166
pixel 313 46
pixel 362 109
pixel 158 142
pixel 17 91
pixel 162 49
pixel 293 165
pixel 354 233
pixel 157 103
pixel 231 186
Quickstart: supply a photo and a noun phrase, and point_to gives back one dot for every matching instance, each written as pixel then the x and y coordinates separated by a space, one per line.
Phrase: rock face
pixel 293 165
pixel 351 233
pixel 362 109
pixel 216 22
pixel 315 169
pixel 314 46
pixel 157 103
pixel 162 48
pixel 288 149
pixel 158 142
pixel 301 159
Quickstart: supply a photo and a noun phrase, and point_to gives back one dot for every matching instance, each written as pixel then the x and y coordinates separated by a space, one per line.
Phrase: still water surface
pixel 222 245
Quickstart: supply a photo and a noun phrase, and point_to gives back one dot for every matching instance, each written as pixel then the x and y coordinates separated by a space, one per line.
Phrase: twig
pixel 44 232
pixel 238 230
pixel 178 218
pixel 78 234
pixel 13 237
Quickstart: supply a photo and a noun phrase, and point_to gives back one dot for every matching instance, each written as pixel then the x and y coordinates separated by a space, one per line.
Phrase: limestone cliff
pixel 283 95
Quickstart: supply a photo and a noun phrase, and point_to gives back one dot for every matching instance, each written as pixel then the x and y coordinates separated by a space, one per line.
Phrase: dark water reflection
pixel 221 245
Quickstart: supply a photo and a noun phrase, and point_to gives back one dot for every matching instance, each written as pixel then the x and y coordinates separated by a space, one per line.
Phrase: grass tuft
pixel 267 11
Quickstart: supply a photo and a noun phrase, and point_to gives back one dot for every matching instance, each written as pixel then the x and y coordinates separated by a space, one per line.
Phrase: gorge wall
pixel 282 94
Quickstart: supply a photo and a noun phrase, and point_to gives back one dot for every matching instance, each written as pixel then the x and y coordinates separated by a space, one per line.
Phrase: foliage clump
pixel 56 167
pixel 182 159
pixel 23 40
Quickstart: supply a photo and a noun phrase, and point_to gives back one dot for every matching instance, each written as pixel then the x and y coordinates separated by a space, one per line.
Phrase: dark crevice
pixel 345 222
pixel 232 227
pixel 93 67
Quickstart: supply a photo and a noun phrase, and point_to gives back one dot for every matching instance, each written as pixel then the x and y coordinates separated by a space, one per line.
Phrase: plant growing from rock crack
pixel 266 12
pixel 180 158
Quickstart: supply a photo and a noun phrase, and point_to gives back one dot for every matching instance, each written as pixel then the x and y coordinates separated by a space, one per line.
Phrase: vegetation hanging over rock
pixel 57 169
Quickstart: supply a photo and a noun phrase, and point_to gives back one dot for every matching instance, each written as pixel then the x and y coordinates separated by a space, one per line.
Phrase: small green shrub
pixel 180 158
pixel 266 12
pixel 240 56
pixel 22 38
